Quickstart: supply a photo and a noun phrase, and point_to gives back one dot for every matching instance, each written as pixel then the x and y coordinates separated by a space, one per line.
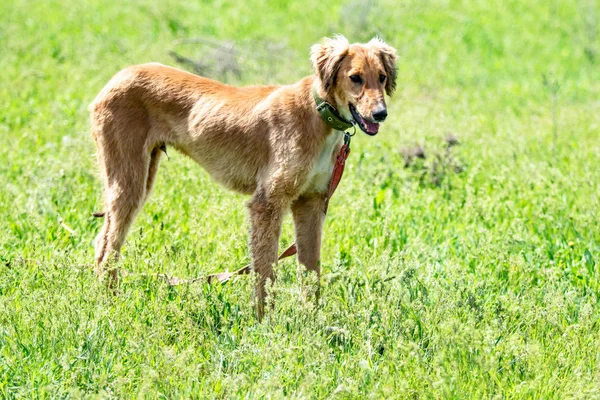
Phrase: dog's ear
pixel 388 57
pixel 326 58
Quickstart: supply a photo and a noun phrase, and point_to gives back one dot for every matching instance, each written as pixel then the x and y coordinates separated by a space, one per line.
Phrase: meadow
pixel 461 271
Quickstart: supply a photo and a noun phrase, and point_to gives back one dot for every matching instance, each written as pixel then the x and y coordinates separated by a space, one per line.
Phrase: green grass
pixel 482 284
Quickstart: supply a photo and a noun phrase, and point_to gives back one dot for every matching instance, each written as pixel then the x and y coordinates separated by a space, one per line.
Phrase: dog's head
pixel 355 77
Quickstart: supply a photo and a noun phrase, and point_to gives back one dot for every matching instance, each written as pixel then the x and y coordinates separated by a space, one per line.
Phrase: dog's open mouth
pixel 370 128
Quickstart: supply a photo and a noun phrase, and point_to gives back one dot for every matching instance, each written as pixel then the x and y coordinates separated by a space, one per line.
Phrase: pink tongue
pixel 372 127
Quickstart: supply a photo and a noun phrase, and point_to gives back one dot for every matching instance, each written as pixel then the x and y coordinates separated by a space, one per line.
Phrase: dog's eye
pixel 356 78
pixel 381 78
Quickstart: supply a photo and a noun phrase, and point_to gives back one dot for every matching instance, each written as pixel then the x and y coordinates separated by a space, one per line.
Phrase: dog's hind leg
pixel 125 194
pixel 125 162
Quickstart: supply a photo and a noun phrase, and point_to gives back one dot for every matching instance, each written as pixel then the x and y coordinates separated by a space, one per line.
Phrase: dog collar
pixel 330 115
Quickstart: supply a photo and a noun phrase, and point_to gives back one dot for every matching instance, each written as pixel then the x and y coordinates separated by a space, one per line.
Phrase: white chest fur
pixel 318 178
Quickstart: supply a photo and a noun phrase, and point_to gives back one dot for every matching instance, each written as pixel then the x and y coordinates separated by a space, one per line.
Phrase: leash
pixel 334 181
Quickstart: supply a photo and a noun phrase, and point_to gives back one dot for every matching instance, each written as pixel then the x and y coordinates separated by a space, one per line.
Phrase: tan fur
pixel 267 141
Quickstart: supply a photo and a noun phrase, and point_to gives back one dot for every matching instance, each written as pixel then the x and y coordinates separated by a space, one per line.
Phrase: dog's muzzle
pixel 368 127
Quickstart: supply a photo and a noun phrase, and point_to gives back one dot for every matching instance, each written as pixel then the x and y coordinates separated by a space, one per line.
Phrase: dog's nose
pixel 380 114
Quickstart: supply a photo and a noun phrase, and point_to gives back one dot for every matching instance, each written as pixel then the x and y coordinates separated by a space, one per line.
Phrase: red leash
pixel 334 181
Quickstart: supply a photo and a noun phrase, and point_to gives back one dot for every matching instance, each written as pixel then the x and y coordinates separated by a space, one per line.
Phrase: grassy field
pixel 472 273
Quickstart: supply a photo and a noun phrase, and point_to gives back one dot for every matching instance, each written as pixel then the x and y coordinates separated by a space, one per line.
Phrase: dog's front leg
pixel 265 220
pixel 308 212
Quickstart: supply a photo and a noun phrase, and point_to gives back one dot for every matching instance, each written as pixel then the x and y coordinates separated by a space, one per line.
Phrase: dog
pixel 270 142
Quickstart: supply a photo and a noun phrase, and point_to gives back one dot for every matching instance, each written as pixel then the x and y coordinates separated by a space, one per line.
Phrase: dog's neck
pixel 328 113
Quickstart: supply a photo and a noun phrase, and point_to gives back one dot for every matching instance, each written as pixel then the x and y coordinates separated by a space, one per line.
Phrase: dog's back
pixel 213 123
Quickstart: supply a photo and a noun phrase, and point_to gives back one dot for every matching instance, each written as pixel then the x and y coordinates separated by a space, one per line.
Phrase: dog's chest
pixel 319 176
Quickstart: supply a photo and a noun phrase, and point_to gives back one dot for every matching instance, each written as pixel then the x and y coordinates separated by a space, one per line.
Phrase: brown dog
pixel 267 141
